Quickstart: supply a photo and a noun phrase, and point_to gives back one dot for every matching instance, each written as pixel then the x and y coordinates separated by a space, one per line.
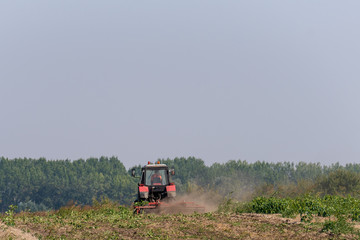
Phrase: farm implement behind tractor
pixel 156 194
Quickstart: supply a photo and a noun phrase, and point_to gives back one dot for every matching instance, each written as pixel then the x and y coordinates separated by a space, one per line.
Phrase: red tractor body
pixel 155 183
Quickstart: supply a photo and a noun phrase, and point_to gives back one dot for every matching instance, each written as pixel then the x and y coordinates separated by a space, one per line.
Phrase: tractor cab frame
pixel 155 183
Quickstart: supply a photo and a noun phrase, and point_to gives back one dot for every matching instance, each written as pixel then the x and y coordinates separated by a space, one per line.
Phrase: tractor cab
pixel 155 183
pixel 157 175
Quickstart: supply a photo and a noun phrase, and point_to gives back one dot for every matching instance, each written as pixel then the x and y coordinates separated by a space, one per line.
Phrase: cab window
pixel 156 177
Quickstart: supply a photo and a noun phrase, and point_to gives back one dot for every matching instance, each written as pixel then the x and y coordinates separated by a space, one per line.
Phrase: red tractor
pixel 157 194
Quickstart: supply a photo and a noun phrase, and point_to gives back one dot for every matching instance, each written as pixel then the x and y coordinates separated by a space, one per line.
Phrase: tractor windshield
pixel 156 177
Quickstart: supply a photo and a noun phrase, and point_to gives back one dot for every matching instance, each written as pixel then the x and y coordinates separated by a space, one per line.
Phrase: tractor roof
pixel 152 165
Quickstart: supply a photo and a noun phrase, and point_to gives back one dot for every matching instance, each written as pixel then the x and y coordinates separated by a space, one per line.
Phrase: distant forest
pixel 39 184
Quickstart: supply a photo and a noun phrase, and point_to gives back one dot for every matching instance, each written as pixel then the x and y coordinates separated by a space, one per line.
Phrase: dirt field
pixel 7 232
pixel 86 225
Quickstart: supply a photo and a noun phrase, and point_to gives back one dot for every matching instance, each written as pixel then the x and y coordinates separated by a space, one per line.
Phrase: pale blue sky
pixel 218 80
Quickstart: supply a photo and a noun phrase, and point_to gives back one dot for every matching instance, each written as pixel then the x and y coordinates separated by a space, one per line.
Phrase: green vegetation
pixel 340 212
pixel 308 206
pixel 8 217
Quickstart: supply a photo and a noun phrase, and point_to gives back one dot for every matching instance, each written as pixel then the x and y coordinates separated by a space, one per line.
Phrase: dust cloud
pixel 209 201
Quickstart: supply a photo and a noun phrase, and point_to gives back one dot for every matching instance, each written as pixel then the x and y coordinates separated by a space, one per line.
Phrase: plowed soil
pixel 7 232
pixel 175 226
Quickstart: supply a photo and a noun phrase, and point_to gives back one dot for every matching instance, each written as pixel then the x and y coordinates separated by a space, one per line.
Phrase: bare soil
pixel 176 226
pixel 7 232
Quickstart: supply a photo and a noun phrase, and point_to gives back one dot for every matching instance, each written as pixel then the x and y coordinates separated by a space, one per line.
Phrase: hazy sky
pixel 218 80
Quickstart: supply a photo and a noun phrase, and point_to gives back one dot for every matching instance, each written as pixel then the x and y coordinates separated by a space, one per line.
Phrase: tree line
pixel 39 184
pixel 52 184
